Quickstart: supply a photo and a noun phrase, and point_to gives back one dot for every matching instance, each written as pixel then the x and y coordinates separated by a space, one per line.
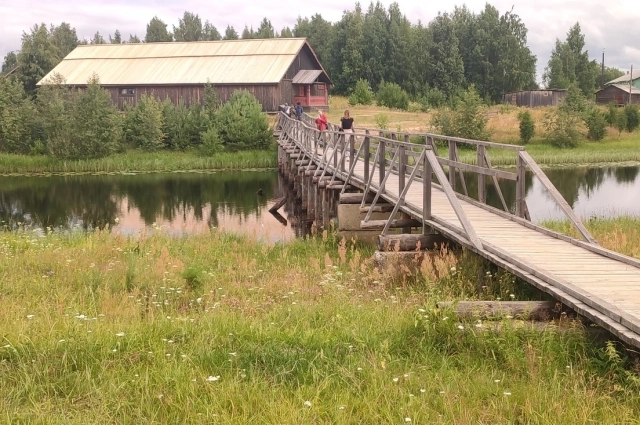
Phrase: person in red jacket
pixel 321 121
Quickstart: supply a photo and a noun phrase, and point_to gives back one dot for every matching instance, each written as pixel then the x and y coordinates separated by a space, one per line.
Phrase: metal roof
pixel 257 61
pixel 306 76
pixel 625 88
pixel 625 78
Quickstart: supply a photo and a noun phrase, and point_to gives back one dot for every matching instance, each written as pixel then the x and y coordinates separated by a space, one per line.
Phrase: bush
pixel 392 95
pixel 596 124
pixel 612 113
pixel 242 124
pixel 17 116
pixel 95 130
pixel 574 101
pixel 621 121
pixel 633 117
pixel 144 124
pixel 183 125
pixel 561 128
pixel 382 121
pixel 362 94
pixel 466 120
pixel 211 142
pixel 527 126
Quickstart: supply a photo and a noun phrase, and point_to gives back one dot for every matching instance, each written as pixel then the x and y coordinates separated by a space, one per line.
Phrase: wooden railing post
pixel 381 164
pixel 482 190
pixel 452 169
pixel 367 155
pixel 352 149
pixel 402 168
pixel 520 186
pixel 426 193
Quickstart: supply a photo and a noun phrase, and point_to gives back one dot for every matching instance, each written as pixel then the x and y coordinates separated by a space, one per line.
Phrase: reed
pixel 216 328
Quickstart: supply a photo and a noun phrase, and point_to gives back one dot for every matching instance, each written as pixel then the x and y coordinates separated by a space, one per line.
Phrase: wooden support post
pixel 482 190
pixel 356 198
pixel 311 205
pixel 352 149
pixel 426 193
pixel 303 191
pixel 367 155
pixel 452 169
pixel 326 208
pixel 402 174
pixel 520 186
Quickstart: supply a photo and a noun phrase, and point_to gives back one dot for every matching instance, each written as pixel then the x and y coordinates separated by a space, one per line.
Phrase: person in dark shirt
pixel 299 111
pixel 346 122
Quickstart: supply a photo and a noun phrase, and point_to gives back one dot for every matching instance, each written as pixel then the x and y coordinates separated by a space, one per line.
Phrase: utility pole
pixel 602 71
pixel 630 85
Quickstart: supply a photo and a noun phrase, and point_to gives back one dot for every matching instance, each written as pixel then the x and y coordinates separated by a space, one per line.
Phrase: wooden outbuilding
pixel 621 94
pixel 535 98
pixel 275 71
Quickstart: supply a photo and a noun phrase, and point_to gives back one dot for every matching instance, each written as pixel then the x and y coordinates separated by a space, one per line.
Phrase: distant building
pixel 622 90
pixel 535 98
pixel 275 71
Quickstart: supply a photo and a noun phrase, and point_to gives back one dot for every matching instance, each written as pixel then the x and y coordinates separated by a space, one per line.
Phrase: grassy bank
pixel 218 329
pixel 504 126
pixel 138 161
pixel 620 234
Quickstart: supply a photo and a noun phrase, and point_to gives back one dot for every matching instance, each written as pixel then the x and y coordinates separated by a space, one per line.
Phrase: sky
pixel 612 25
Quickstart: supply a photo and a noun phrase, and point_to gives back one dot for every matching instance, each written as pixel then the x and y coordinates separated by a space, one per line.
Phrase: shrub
pixel 621 121
pixel 211 142
pixel 574 101
pixel 184 125
pixel 527 126
pixel 435 97
pixel 242 124
pixel 362 94
pixel 466 120
pixel 144 124
pixel 382 121
pixel 392 95
pixel 633 117
pixel 596 124
pixel 96 127
pixel 612 113
pixel 561 128
pixel 17 116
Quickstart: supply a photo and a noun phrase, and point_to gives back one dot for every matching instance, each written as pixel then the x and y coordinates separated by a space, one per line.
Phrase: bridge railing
pixel 385 152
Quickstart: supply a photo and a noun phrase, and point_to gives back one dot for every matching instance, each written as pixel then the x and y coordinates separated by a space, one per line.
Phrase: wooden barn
pixel 275 71
pixel 618 93
pixel 535 98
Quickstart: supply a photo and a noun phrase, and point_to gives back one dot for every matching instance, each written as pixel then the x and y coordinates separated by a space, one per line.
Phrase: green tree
pixel 375 31
pixel 361 94
pixel 596 123
pixel 265 30
pixel 189 28
pixel 65 38
pixel 230 33
pixel 318 33
pixel 54 107
pixel 98 39
pixel 286 33
pixel 346 62
pixel 248 33
pixel 242 124
pixel 10 62
pixel 445 69
pixel 527 126
pixel 419 62
pixel 144 123
pixel 16 117
pixel 633 117
pixel 561 128
pixel 392 95
pixel 210 32
pixel 157 31
pixel 610 73
pixel 134 39
pixel 569 64
pixel 37 57
pixel 116 39
pixel 398 47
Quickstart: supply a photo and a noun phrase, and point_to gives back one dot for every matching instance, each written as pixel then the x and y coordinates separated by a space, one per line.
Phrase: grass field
pixel 503 124
pixel 215 328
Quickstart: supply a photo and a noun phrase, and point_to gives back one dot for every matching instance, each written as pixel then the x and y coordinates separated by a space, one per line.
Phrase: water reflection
pixel 196 202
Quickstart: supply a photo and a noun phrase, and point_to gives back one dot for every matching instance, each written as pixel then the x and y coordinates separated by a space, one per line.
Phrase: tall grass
pixel 221 329
pixel 138 161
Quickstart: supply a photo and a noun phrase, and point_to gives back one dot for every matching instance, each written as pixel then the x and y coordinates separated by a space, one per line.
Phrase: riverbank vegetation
pixel 223 329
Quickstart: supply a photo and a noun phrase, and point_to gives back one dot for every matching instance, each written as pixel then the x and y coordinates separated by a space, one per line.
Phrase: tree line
pixel 439 59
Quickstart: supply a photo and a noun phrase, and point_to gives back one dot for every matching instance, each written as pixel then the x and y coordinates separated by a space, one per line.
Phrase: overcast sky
pixel 613 25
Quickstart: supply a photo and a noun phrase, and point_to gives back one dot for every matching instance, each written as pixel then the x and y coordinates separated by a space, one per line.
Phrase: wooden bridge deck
pixel 600 284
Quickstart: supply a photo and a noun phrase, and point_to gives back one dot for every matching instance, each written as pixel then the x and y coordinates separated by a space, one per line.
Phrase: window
pixel 127 92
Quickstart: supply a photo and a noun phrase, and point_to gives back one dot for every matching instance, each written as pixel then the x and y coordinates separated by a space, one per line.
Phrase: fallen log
pixel 409 242
pixel 355 198
pixel 280 202
pixel 535 310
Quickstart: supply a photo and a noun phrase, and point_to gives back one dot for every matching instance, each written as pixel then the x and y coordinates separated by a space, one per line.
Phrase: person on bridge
pixel 299 111
pixel 321 121
pixel 346 122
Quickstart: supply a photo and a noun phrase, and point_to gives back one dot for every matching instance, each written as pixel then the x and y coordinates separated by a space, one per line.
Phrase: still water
pixel 180 203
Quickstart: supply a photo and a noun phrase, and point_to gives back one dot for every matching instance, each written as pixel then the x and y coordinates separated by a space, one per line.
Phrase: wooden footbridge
pixel 419 180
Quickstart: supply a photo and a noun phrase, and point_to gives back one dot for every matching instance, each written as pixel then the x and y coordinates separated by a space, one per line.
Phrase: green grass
pixel 137 161
pixel 221 329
